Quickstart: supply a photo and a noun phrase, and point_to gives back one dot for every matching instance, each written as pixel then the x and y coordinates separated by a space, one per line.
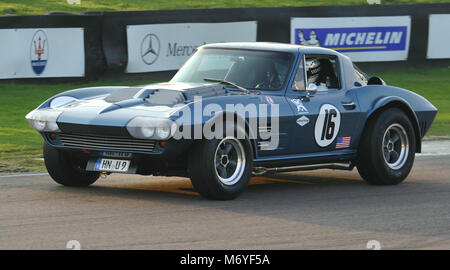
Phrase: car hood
pixel 121 105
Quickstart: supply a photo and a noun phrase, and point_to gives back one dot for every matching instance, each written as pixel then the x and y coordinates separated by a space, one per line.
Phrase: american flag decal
pixel 343 142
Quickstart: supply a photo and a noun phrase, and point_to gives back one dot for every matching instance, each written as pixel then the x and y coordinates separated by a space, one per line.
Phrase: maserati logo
pixel 39 52
pixel 150 47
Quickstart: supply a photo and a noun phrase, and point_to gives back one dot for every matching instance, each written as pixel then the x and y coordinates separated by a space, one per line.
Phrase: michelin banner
pixel 363 39
pixel 439 36
pixel 41 53
pixel 159 47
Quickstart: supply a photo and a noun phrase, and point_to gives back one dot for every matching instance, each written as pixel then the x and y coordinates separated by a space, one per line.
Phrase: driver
pixel 312 73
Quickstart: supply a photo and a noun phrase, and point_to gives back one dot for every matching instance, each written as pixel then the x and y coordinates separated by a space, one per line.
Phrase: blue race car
pixel 235 110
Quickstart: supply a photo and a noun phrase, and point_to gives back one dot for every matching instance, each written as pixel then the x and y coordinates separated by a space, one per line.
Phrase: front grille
pixel 107 143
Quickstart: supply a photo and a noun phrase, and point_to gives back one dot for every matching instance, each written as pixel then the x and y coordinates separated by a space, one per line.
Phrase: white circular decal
pixel 327 125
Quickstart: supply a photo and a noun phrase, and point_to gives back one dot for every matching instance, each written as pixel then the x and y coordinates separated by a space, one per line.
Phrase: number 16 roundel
pixel 327 125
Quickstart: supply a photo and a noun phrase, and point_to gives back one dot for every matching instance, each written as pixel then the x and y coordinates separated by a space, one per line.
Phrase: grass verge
pixel 431 83
pixel 36 7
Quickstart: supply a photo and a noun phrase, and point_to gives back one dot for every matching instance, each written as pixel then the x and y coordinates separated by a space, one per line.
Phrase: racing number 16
pixel 328 124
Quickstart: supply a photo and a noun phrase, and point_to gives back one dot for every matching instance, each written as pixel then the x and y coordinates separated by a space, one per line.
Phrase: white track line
pixel 22 175
pixel 432 154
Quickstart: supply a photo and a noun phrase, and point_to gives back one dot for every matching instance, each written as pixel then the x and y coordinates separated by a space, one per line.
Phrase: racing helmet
pixel 312 70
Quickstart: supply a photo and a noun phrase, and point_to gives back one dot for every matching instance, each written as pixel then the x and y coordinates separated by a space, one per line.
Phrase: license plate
pixel 112 165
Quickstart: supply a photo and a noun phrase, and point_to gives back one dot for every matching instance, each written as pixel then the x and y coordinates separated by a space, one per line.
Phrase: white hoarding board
pixel 41 53
pixel 439 36
pixel 159 47
pixel 363 39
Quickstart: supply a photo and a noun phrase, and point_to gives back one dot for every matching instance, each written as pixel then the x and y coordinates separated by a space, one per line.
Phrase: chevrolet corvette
pixel 235 110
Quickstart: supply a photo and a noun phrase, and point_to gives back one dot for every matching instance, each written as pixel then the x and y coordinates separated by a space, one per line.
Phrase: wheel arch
pixel 396 102
pixel 238 120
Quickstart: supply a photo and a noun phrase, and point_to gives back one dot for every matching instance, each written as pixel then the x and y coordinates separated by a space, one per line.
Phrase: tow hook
pixel 104 175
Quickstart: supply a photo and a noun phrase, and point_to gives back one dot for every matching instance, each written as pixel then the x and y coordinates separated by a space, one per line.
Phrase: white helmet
pixel 312 70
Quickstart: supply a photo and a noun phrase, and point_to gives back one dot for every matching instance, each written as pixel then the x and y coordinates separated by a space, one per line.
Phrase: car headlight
pixel 163 132
pixel 142 127
pixel 38 125
pixel 52 126
pixel 148 132
pixel 44 120
pixel 61 101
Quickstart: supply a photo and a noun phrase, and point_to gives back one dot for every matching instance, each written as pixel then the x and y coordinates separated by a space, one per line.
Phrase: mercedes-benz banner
pixel 439 36
pixel 41 53
pixel 363 39
pixel 159 47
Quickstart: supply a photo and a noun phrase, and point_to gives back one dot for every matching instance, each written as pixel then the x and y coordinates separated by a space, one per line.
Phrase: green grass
pixel 20 145
pixel 34 7
pixel 431 83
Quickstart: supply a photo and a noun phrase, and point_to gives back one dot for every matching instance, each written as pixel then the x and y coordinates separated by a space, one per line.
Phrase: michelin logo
pixel 312 41
pixel 387 38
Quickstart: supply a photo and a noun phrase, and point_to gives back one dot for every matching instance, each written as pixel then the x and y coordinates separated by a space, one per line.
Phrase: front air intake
pixel 92 142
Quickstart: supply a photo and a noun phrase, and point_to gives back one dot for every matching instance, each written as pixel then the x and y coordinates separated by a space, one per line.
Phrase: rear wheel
pixel 387 148
pixel 67 170
pixel 220 169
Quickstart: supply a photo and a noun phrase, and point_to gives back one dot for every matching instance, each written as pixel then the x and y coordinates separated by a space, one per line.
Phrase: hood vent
pixel 206 91
pixel 165 97
pixel 171 97
pixel 122 94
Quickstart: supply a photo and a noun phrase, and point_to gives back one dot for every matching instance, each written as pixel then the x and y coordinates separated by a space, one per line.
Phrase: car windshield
pixel 263 70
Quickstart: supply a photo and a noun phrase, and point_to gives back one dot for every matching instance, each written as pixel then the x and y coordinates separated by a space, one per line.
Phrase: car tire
pixel 64 169
pixel 387 148
pixel 220 169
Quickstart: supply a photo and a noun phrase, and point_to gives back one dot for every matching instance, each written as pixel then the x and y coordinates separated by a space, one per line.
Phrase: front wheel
pixel 67 170
pixel 220 169
pixel 387 148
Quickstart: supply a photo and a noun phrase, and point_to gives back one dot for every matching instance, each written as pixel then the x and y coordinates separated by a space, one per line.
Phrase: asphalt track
pixel 322 209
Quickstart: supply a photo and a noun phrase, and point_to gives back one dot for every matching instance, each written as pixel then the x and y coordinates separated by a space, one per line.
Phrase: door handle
pixel 349 105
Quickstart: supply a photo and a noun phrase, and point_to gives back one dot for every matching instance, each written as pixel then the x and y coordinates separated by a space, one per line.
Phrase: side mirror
pixel 312 88
pixel 375 81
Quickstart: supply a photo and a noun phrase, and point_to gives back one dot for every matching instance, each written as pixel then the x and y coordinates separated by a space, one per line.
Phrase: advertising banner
pixel 41 53
pixel 363 39
pixel 159 47
pixel 439 36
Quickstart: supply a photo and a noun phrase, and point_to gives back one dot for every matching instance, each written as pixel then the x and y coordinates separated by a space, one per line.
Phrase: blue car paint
pixel 297 145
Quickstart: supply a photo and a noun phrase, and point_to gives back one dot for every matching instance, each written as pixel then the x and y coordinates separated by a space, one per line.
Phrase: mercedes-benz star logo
pixel 150 49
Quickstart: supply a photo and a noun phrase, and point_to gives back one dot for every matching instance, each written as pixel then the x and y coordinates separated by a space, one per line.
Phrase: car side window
pixel 299 79
pixel 323 71
pixel 361 76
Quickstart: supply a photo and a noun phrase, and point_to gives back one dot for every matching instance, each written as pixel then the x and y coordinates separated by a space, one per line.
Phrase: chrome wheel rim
pixel 229 161
pixel 395 146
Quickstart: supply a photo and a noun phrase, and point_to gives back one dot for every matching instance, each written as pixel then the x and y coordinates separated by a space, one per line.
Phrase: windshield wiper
pixel 227 82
